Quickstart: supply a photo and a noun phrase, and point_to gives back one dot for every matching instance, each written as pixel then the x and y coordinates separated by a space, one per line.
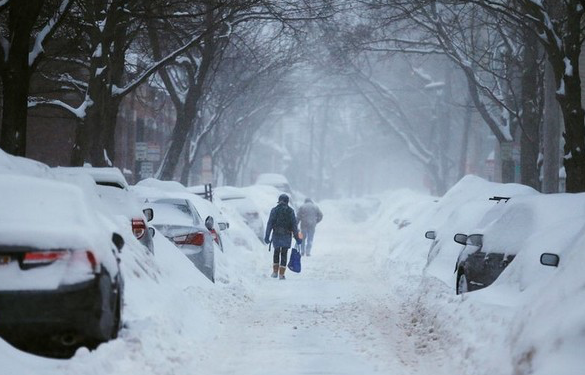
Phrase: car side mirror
pixel 209 223
pixel 118 241
pixel 549 259
pixel 431 235
pixel 151 231
pixel 460 238
pixel 148 213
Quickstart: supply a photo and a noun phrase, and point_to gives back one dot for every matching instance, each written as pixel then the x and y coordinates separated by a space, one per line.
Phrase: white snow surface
pixel 367 302
pixel 47 214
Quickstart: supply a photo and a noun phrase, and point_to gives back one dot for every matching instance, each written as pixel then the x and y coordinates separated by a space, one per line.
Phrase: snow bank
pixel 530 320
pixel 170 310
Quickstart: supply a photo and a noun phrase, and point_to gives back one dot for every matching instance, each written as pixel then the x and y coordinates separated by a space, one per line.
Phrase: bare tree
pixel 558 27
pixel 26 27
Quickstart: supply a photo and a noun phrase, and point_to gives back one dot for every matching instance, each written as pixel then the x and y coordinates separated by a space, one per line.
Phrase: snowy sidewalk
pixel 336 317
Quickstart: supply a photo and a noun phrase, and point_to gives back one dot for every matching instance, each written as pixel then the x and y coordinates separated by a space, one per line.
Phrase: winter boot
pixel 274 271
pixel 281 276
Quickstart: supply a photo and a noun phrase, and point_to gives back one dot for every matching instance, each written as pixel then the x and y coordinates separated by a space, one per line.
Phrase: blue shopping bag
pixel 294 263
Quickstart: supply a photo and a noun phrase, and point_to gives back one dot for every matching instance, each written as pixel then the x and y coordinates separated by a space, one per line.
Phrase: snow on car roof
pixel 110 176
pixel 163 185
pixel 271 179
pixel 47 214
pixel 229 192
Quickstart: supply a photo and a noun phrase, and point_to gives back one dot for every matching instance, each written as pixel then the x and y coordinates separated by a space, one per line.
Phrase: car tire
pixel 117 317
pixel 462 284
pixel 106 323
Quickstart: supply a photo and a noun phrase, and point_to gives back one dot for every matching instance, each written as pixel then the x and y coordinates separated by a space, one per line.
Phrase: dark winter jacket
pixel 283 225
pixel 309 215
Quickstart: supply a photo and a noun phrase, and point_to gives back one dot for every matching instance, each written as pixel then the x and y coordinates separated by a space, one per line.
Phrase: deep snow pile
pixel 530 320
pixel 170 312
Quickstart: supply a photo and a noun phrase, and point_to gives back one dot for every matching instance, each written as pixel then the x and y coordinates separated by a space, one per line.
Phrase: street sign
pixel 153 152
pixel 141 151
pixel 146 169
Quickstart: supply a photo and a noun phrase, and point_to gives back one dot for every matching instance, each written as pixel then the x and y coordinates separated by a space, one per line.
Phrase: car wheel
pixel 107 318
pixel 117 317
pixel 462 284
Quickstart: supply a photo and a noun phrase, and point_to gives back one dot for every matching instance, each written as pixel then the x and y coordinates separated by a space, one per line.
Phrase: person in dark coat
pixel 309 216
pixel 282 223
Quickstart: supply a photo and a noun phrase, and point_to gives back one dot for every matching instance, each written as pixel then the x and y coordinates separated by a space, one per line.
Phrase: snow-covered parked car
pixel 277 180
pixel 152 189
pixel 112 188
pixel 61 284
pixel 179 221
pixel 523 223
pixel 218 224
pixel 280 183
pixel 237 199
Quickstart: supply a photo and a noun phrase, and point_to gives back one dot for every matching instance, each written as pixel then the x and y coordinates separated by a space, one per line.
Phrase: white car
pixel 277 180
pixel 152 189
pixel 112 188
pixel 178 220
pixel 241 203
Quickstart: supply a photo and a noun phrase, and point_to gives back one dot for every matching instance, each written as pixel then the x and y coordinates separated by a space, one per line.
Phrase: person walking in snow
pixel 309 216
pixel 282 223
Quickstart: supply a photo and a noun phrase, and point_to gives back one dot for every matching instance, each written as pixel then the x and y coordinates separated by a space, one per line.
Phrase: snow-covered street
pixel 161 161
pixel 340 315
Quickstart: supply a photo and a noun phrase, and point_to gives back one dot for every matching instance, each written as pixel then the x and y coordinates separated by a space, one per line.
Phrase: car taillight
pixel 85 257
pixel 215 236
pixel 42 258
pixel 196 239
pixel 138 228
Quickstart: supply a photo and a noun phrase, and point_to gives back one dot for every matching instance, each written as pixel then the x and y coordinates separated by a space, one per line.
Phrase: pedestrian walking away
pixel 309 216
pixel 282 225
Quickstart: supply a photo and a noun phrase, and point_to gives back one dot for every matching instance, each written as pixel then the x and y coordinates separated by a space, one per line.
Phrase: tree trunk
pixel 187 166
pixel 178 141
pixel 530 117
pixel 465 141
pixel 96 134
pixel 551 134
pixel 16 74
pixel 508 167
pixel 445 134
pixel 567 76
pixel 230 173
pixel 188 111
